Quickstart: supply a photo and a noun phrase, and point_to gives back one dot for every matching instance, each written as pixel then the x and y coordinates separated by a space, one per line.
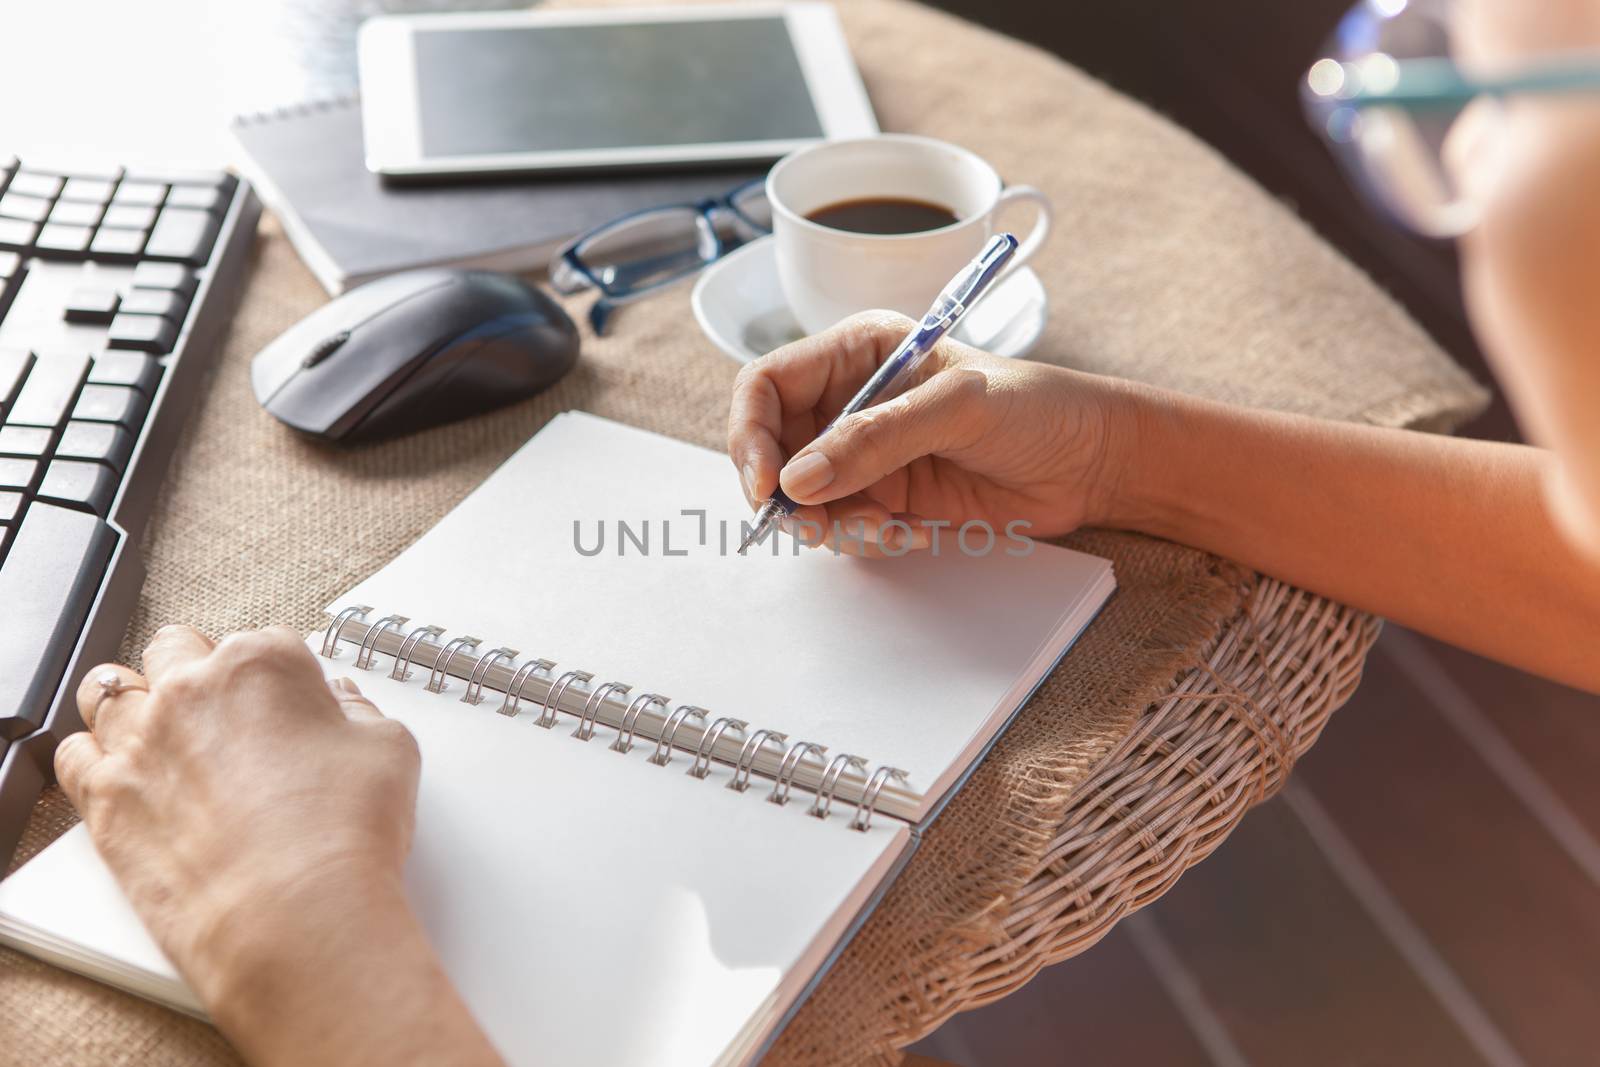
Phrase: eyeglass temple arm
pixel 1425 83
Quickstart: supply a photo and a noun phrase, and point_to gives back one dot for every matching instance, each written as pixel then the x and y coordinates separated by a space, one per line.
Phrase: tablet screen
pixel 554 88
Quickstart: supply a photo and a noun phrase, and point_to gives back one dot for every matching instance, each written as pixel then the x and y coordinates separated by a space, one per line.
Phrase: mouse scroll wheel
pixel 324 349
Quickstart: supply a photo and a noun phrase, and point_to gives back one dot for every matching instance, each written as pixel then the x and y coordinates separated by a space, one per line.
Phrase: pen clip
pixel 973 281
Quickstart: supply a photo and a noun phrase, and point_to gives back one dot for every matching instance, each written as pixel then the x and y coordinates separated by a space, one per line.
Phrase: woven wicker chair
pixel 1224 741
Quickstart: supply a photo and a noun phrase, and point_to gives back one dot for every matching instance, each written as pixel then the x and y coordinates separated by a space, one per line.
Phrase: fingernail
pixel 748 474
pixel 345 685
pixel 807 474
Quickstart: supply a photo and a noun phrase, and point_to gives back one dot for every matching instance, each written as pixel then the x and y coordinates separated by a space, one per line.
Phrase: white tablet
pixel 575 90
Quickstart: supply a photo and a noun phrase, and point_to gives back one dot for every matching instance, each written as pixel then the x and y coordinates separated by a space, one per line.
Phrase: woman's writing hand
pixel 977 438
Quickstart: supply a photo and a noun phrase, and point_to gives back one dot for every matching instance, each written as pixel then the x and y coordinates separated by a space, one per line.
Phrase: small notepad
pixel 351 226
pixel 662 784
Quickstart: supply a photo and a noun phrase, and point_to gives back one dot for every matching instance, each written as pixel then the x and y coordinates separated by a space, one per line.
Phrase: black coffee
pixel 883 215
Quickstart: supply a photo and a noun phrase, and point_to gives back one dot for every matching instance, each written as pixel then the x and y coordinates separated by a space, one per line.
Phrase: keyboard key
pixel 202 197
pixel 77 170
pixel 111 403
pixel 75 213
pixel 50 577
pixel 163 302
pixel 88 190
pixel 75 484
pixel 50 389
pixel 11 505
pixel 27 442
pixel 10 264
pixel 66 242
pixel 16 235
pixel 18 206
pixel 18 474
pixel 219 178
pixel 14 364
pixel 134 192
pixel 136 369
pixel 142 333
pixel 182 234
pixel 92 305
pixel 116 244
pixel 10 284
pixel 34 184
pixel 173 276
pixel 129 217
pixel 99 442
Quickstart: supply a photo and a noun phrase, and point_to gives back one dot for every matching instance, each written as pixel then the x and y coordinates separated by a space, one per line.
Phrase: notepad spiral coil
pixel 298 108
pixel 645 716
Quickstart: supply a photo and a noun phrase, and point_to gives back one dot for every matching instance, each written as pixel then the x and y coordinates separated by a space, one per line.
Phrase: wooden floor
pixel 1427 889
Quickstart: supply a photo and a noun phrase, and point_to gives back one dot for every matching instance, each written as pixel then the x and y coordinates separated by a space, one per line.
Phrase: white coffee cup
pixel 827 273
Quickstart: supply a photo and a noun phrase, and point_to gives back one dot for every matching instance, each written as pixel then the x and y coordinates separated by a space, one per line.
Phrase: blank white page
pixel 592 908
pixel 913 662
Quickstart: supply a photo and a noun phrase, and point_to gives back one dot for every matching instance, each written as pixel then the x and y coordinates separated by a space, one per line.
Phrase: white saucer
pixel 741 308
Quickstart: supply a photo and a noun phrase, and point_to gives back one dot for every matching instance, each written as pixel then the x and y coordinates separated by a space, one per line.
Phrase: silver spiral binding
pixel 630 720
pixel 514 689
pixel 868 804
pixel 439 677
pixel 791 763
pixel 669 732
pixel 708 744
pixel 369 643
pixel 330 640
pixel 290 111
pixel 595 705
pixel 830 782
pixel 408 648
pixel 591 707
pixel 480 671
pixel 747 757
pixel 552 701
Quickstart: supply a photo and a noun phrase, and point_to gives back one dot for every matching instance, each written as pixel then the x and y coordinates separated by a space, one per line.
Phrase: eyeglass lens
pixel 648 249
pixel 750 201
pixel 1424 162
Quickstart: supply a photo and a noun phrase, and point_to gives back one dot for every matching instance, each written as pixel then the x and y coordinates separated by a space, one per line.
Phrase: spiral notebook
pixel 662 784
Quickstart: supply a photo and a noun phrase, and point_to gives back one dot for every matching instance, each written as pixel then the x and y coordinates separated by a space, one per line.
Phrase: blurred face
pixel 1513 31
pixel 1539 239
pixel 1531 268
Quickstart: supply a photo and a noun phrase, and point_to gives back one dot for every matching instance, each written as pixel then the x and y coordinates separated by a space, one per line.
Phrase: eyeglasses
pixel 645 252
pixel 1421 135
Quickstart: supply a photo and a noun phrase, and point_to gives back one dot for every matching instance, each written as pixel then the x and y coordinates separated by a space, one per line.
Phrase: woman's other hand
pixel 977 438
pixel 240 775
pixel 258 818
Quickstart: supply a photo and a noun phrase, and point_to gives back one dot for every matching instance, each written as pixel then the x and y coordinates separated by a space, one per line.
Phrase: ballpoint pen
pixel 900 368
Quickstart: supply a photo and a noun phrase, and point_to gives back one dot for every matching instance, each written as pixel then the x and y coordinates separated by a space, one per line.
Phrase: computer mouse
pixel 414 350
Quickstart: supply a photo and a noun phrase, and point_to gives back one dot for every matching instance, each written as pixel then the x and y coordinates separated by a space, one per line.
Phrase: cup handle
pixel 1041 229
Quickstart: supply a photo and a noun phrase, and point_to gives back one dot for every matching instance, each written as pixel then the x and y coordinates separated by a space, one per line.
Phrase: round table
pixel 1183 705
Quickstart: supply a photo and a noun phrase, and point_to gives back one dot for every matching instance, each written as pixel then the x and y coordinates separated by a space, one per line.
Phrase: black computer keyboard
pixel 115 288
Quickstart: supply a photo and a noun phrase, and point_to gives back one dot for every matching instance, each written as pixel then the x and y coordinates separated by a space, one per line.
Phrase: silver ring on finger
pixel 112 684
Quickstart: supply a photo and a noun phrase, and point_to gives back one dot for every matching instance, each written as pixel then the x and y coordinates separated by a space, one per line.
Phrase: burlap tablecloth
pixel 1183 705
